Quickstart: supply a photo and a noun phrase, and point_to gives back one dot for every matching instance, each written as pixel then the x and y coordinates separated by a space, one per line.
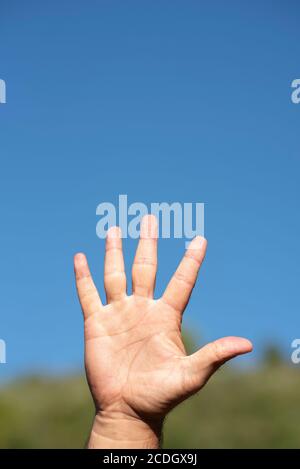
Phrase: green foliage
pixel 272 355
pixel 237 409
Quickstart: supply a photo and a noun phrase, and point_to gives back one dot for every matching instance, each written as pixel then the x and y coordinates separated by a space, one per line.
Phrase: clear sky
pixel 169 101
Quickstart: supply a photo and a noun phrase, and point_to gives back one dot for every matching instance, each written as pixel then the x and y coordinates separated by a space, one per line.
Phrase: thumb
pixel 203 363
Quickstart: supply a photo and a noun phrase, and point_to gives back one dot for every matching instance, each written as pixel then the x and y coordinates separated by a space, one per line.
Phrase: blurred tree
pixel 272 356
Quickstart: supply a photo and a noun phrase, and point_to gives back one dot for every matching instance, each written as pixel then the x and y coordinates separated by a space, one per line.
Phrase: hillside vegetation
pixel 253 409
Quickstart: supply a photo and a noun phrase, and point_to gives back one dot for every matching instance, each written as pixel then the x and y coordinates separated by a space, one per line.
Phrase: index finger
pixel 180 287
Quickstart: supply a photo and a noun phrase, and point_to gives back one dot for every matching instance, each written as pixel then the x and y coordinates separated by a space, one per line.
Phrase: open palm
pixel 135 359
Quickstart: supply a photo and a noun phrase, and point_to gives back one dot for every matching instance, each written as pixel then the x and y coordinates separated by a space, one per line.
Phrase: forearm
pixel 119 431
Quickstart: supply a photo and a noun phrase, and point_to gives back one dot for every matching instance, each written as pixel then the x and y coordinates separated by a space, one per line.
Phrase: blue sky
pixel 163 101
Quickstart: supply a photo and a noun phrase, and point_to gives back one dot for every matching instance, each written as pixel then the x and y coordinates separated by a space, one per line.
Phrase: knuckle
pixel 218 352
pixel 144 260
pixel 183 278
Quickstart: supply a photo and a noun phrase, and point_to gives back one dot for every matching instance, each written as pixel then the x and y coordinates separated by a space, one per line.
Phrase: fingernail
pixel 149 227
pixel 197 243
pixel 114 232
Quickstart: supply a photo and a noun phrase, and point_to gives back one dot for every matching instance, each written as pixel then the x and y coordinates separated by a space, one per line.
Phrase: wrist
pixel 116 430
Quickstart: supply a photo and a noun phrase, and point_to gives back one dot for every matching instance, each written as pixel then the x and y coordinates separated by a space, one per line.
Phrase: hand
pixel 136 363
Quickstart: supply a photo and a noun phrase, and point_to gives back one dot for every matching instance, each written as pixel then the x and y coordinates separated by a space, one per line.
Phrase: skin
pixel 136 364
